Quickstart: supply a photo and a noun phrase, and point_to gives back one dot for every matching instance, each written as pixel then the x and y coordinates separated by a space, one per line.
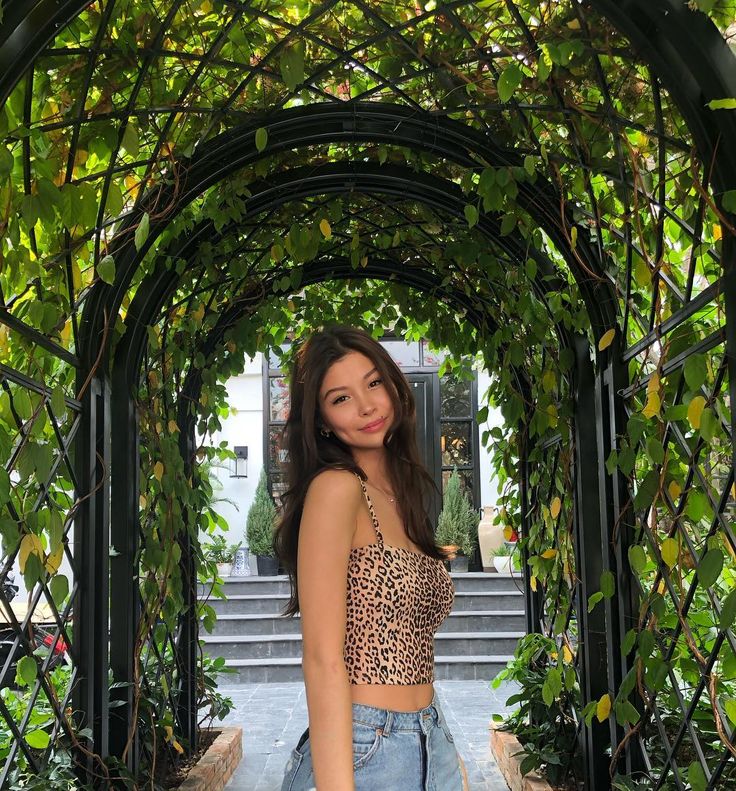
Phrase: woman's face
pixel 353 395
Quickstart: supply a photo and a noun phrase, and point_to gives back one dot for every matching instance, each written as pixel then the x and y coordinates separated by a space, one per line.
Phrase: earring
pixel 324 433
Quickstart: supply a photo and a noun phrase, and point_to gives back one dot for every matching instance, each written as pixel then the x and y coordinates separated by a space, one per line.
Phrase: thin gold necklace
pixel 390 499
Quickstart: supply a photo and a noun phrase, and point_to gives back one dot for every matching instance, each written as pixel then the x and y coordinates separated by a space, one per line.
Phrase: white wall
pixel 244 427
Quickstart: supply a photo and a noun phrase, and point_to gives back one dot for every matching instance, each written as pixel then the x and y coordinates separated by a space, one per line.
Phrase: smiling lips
pixel 373 426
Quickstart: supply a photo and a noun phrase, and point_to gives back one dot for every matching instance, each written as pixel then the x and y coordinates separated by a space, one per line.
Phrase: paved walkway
pixel 273 716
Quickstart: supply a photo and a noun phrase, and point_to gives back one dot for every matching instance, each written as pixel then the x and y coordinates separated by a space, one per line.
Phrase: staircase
pixel 474 642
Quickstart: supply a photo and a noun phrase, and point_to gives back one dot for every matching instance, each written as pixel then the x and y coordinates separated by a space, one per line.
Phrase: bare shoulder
pixel 331 483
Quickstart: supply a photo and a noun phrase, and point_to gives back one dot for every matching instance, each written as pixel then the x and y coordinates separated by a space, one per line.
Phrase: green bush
pixel 458 521
pixel 261 520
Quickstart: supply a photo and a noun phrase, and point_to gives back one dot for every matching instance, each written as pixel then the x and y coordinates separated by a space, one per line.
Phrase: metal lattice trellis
pixel 120 118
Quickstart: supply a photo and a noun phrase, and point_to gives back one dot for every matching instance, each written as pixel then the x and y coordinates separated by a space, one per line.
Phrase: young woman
pixel 366 575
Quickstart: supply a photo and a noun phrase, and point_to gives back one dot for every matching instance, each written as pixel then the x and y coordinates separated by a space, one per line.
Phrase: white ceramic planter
pixel 502 564
pixel 223 569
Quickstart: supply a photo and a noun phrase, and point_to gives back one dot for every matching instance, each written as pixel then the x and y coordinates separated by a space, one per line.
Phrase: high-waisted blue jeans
pixel 411 750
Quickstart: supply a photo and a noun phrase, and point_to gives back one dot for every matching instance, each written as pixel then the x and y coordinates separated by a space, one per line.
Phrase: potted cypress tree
pixel 259 528
pixel 457 525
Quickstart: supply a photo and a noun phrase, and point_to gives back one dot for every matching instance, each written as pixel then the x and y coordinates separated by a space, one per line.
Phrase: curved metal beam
pixel 370 122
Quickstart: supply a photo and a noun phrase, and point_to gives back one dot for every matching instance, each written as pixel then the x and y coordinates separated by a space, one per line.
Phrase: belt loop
pixel 389 723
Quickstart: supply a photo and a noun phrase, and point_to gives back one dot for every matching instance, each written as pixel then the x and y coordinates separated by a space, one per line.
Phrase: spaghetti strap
pixel 374 518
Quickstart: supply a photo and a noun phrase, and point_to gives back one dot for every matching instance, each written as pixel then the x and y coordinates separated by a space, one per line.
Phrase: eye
pixel 337 400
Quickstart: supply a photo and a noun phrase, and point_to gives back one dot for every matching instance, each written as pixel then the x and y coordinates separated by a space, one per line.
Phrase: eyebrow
pixel 333 389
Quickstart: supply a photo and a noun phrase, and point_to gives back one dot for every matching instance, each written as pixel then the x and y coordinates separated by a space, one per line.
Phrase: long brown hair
pixel 309 452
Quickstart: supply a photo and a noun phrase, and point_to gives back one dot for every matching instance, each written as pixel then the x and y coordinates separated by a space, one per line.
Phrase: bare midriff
pixel 397 697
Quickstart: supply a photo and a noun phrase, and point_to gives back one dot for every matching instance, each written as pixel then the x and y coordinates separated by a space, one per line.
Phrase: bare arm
pixel 325 537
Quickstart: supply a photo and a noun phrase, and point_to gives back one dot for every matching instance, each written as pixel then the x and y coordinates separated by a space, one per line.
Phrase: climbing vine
pixel 553 191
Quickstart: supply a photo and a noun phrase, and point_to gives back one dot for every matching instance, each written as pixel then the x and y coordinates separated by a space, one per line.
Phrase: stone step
pixel 447 668
pixel 273 623
pixel 247 604
pixel 290 646
pixel 469 581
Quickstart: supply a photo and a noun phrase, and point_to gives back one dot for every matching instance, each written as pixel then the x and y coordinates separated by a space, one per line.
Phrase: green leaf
pixel 608 584
pixel 26 671
pixel 471 214
pixel 106 269
pixel 6 162
pixel 38 739
pixel 4 486
pixel 261 139
pixel 720 104
pixel 710 567
pixel 626 713
pixel 628 643
pixel 637 558
pixel 655 450
pixel 728 199
pixel 593 599
pixel 728 611
pixel 292 65
pixel 130 139
pixel 696 777
pixel 729 706
pixel 141 232
pixel 57 401
pixel 696 371
pixel 509 81
pixel 646 491
pixel 59 588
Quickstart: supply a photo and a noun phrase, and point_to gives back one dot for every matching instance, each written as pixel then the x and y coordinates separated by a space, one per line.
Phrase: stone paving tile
pixel 273 716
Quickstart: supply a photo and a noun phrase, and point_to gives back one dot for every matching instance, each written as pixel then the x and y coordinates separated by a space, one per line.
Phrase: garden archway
pixel 574 136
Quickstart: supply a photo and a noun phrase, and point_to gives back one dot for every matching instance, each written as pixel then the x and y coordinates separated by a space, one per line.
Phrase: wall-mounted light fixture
pixel 239 465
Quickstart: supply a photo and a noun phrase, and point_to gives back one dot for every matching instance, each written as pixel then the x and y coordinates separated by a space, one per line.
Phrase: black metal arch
pixel 371 123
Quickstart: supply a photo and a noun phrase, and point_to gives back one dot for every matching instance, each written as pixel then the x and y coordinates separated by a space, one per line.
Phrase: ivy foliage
pixel 585 210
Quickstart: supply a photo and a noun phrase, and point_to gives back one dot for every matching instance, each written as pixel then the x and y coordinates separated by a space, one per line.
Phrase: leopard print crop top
pixel 396 600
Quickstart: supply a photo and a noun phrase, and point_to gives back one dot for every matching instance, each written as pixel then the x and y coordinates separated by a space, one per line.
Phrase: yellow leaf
pixel 603 709
pixel 566 654
pixel 153 378
pixel 533 583
pixel 553 655
pixel 30 544
pixel 555 507
pixel 674 490
pixel 54 561
pixel 173 428
pixel 198 314
pixel 549 553
pixel 652 406
pixel 661 587
pixel 142 501
pixel 324 226
pixel 508 532
pixel 175 744
pixel 653 383
pixel 670 551
pixel 717 232
pixel 574 24
pixel 695 411
pixel 573 236
pixel 158 470
pixel 606 339
pixel 549 381
pixel 76 276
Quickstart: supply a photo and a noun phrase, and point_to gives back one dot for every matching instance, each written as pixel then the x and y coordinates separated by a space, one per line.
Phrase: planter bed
pixel 504 745
pixel 218 763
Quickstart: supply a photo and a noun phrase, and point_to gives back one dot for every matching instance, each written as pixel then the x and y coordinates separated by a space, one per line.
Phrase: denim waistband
pixel 388 719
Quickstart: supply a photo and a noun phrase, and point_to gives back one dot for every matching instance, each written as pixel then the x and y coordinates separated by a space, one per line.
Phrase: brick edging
pixel 504 744
pixel 218 763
